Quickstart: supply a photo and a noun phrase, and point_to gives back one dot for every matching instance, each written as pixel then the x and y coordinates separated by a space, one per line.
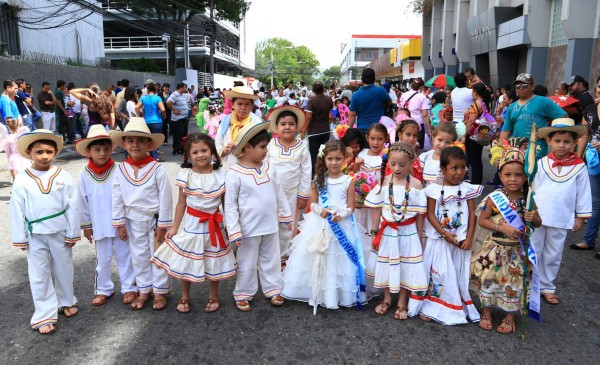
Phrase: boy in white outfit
pixel 254 207
pixel 142 208
pixel 45 223
pixel 563 197
pixel 95 200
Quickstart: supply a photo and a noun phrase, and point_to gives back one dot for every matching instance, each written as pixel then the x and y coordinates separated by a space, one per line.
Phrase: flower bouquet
pixel 364 183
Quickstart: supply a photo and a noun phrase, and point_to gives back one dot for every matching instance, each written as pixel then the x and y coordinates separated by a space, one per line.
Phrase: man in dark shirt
pixel 46 101
pixel 578 88
pixel 24 104
pixel 62 121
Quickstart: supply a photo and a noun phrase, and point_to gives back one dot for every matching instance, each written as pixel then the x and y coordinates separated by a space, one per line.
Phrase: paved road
pixel 114 334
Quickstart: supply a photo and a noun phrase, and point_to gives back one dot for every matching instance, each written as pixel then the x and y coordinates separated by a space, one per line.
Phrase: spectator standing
pixel 368 103
pixel 153 112
pixel 46 100
pixel 164 94
pixel 318 117
pixel 178 105
pixel 472 78
pixel 24 104
pixel 290 89
pixel 462 97
pixel 100 108
pixel 481 98
pixel 280 100
pixel 419 105
pixel 8 108
pixel 578 87
pixel 61 113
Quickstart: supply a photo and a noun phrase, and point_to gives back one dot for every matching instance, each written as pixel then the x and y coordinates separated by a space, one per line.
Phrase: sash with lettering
pixel 354 253
pixel 513 218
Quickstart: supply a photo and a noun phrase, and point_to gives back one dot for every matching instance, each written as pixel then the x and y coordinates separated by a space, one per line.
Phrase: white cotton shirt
pixel 462 98
pixel 95 201
pixel 293 167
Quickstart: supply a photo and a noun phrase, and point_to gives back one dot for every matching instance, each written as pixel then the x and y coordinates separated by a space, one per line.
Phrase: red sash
pixel 213 225
pixel 393 225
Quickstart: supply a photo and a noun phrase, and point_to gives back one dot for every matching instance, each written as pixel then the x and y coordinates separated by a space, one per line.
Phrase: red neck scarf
pixel 570 160
pixel 100 170
pixel 144 161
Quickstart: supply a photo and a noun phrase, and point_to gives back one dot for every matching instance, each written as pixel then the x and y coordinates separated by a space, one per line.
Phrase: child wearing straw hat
pixel 142 208
pixel 255 205
pixel 44 222
pixel 564 199
pixel 290 157
pixel 95 199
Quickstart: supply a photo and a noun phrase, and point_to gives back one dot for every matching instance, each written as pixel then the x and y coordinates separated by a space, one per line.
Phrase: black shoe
pixel 597 256
pixel 576 247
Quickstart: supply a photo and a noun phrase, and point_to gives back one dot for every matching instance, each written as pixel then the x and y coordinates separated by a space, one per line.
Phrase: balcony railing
pixel 116 4
pixel 156 42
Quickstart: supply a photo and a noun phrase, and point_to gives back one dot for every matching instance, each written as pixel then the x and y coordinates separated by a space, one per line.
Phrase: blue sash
pixel 354 253
pixel 513 218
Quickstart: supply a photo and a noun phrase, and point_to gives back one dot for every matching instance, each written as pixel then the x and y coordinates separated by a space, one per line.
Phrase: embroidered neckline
pixel 566 174
pixel 100 178
pixel 282 150
pixel 44 190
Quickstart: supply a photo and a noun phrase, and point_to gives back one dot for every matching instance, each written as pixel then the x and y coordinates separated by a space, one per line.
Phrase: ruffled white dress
pixel 447 300
pixel 371 166
pixel 190 255
pixel 325 265
pixel 432 173
pixel 8 143
pixel 399 261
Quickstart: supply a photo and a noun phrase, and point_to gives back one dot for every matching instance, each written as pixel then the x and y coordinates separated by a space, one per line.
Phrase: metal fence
pixel 57 60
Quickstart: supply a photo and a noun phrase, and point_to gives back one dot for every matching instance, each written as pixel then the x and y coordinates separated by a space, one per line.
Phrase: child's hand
pixel 578 224
pixel 170 232
pixel 451 238
pixel 238 243
pixel 510 231
pixel 325 212
pixel 123 233
pixel 160 234
pixel 336 218
pixel 529 215
pixel 466 244
pixel 88 234
pixel 227 149
pixel 302 203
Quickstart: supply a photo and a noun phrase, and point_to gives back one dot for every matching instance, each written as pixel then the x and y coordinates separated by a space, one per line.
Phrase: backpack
pixel 485 127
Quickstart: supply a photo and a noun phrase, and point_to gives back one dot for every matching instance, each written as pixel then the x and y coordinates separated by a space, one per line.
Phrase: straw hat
pixel 244 92
pixel 96 132
pixel 246 133
pixel 564 125
pixel 137 127
pixel 39 134
pixel 274 114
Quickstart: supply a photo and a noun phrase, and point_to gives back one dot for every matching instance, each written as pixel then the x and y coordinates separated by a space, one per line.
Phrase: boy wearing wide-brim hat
pixel 255 205
pixel 95 200
pixel 290 157
pixel 44 221
pixel 242 98
pixel 142 203
pixel 563 198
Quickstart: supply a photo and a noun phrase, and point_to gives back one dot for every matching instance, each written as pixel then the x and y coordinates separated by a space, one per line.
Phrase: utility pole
pixel 212 43
pixel 272 62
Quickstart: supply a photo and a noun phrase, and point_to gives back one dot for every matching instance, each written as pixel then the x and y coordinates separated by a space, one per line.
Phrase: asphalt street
pixel 115 334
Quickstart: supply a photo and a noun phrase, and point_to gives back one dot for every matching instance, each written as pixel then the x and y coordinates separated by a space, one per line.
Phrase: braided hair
pixel 321 168
pixel 190 139
pixel 395 147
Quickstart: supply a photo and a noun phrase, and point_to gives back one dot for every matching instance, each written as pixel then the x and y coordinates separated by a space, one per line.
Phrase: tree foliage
pixel 290 63
pixel 421 6
pixel 182 11
pixel 332 74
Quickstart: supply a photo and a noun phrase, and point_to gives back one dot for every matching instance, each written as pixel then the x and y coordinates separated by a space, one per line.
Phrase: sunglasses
pixel 522 86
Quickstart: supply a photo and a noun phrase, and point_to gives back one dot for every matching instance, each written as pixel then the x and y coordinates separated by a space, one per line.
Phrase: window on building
pixel 558 37
pixel 368 55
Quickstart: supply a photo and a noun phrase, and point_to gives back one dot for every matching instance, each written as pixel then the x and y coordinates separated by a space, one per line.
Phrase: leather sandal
pixel 101 299
pixel 129 297
pixel 277 300
pixel 502 328
pixel 159 303
pixel 385 308
pixel 185 303
pixel 139 303
pixel 551 298
pixel 243 305
pixel 398 311
pixel 67 311
pixel 486 318
pixel 210 303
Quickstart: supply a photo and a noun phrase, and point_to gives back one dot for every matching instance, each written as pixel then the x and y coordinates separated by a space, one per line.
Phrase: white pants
pixel 49 121
pixel 48 256
pixel 104 254
pixel 264 252
pixel 149 278
pixel 549 243
pixel 285 234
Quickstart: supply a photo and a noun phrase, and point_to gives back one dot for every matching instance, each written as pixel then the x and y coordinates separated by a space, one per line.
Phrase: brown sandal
pixel 424 318
pixel 186 305
pixel 243 305
pixel 129 297
pixel 53 330
pixel 397 313
pixel 67 311
pixel 210 303
pixel 502 328
pixel 551 298
pixel 277 300
pixel 159 303
pixel 102 299
pixel 139 303
pixel 489 319
pixel 385 306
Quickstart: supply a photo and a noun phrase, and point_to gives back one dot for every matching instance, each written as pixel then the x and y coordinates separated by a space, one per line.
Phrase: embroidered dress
pixel 8 143
pixel 447 300
pixel 338 285
pixel 399 261
pixel 431 169
pixel 371 166
pixel 196 253
pixel 498 269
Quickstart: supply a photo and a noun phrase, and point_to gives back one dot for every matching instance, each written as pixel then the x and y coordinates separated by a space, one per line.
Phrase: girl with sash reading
pixel 498 268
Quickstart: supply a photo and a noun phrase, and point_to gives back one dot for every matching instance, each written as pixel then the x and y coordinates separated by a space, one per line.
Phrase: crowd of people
pixel 389 184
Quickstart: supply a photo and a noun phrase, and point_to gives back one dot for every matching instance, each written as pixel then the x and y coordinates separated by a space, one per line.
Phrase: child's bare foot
pixel 69 311
pixel 507 325
pixel 277 300
pixel 486 320
pixel 47 329
pixel 424 318
pixel 129 297
pixel 100 299
pixel 183 305
pixel 243 305
pixel 213 305
pixel 551 298
pixel 160 302
pixel 140 302
pixel 401 313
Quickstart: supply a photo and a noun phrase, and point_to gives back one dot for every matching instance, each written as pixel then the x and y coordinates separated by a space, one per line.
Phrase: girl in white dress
pixel 201 251
pixel 8 143
pixel 326 265
pixel 450 229
pixel 377 137
pixel 396 258
pixel 444 135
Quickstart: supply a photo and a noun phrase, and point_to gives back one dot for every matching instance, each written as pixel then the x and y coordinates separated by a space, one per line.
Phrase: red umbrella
pixel 563 100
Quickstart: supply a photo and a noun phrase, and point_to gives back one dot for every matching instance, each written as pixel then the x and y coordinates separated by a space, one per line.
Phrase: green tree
pixel 290 63
pixel 332 74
